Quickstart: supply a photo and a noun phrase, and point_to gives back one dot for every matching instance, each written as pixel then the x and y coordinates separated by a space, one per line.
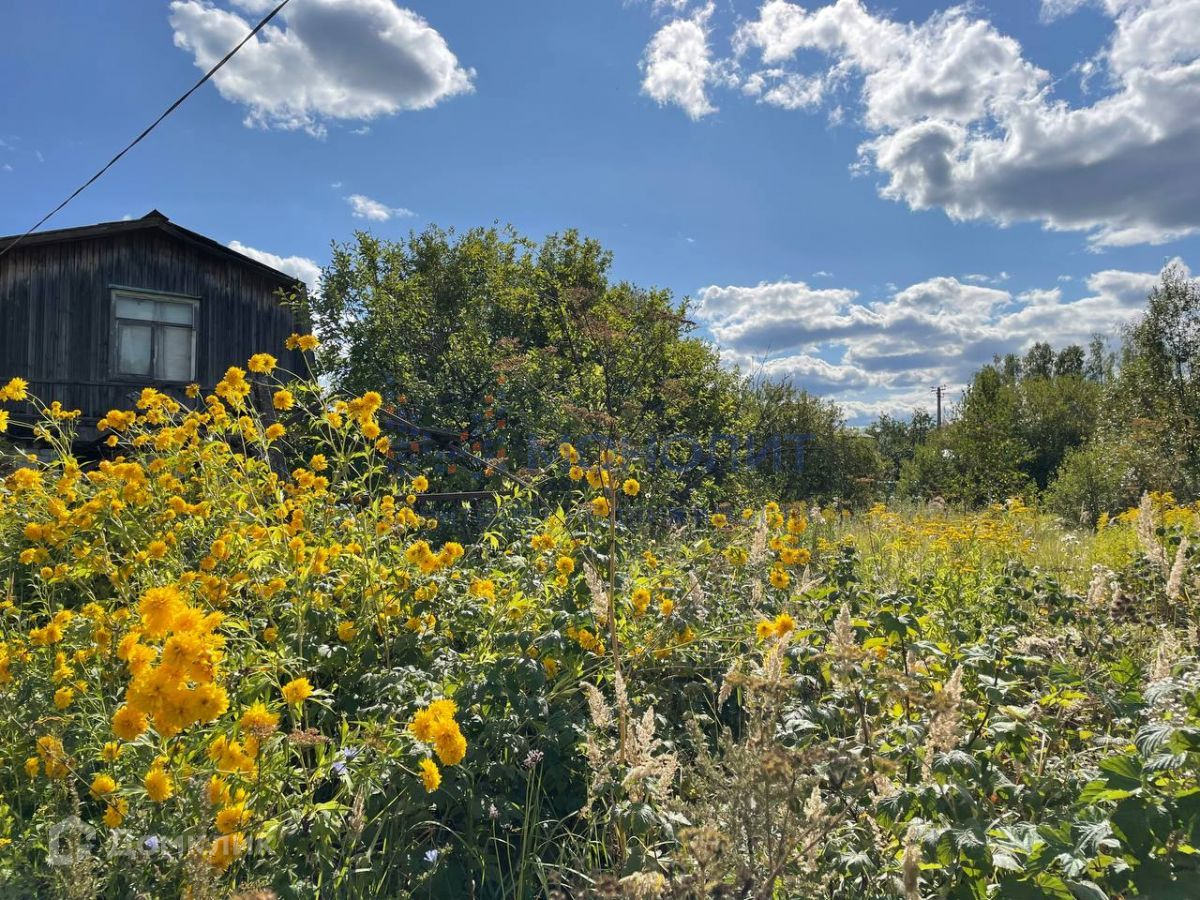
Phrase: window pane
pixel 134 344
pixel 175 313
pixel 174 353
pixel 132 308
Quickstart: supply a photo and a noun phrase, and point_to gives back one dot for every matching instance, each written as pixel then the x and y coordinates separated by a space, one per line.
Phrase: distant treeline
pixel 1088 431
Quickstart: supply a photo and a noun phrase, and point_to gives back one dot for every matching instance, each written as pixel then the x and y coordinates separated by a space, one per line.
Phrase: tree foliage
pixel 446 324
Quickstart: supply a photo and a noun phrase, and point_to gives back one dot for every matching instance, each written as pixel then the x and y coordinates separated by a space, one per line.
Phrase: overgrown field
pixel 241 658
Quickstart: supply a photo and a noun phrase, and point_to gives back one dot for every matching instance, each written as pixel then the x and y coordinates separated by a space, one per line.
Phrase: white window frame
pixel 156 326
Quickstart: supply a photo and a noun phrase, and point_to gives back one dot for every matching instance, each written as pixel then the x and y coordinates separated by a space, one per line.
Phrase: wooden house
pixel 90 315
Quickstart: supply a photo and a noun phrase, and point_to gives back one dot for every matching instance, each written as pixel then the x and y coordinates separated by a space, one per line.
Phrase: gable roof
pixel 152 220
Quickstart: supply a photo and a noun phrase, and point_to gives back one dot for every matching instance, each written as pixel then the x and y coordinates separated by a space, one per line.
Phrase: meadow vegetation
pixel 243 654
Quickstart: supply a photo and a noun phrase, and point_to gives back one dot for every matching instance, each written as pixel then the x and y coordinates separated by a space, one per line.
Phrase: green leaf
pixel 1086 890
pixel 1122 771
pixel 1099 791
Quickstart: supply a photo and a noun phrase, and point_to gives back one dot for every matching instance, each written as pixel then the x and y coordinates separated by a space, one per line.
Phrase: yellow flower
pixel 430 776
pixel 262 363
pixel 283 399
pixel 275 431
pixel 346 631
pixel 298 342
pixel 435 725
pixel 575 473
pixel 25 479
pixel 420 484
pixel 631 487
pixel 32 766
pixel 449 743
pixel 159 607
pixel 216 791
pixel 63 697
pixel 270 633
pixel 719 520
pixel 667 607
pixel 640 601
pixel 565 565
pixel 297 691
pixel 600 507
pixel 16 389
pixel 779 578
pixel 764 629
pixel 259 718
pixel 128 723
pixel 3 421
pixel 783 624
pixel 225 850
pixel 158 784
pixel 114 814
pixel 233 818
pixel 111 751
pixel 103 784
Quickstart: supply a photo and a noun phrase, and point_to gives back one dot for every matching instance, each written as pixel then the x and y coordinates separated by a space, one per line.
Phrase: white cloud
pixel 998 278
pixel 677 65
pixel 787 90
pixel 328 60
pixel 365 208
pixel 301 267
pixel 1056 9
pixel 874 355
pixel 960 120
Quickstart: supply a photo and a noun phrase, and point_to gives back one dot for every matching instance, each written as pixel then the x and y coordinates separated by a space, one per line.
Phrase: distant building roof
pixel 152 220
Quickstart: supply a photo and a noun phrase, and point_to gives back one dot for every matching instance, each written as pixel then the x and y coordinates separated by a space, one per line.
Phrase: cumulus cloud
pixel 328 60
pixel 364 207
pixel 301 267
pixel 677 65
pixel 960 120
pixel 876 355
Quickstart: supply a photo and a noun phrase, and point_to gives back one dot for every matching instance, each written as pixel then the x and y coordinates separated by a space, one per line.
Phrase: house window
pixel 154 337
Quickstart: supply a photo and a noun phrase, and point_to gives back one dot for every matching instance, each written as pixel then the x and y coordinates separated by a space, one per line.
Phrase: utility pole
pixel 938 390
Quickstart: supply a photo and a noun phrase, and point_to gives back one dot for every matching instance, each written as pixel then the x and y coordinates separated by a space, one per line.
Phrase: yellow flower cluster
pixel 172 686
pixel 233 388
pixel 781 625
pixel 421 555
pixel 16 390
pixel 435 725
pixel 305 342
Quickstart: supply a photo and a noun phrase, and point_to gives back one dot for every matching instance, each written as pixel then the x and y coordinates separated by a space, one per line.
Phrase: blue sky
pixel 867 198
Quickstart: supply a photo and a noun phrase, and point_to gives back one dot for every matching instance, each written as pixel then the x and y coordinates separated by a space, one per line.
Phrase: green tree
pixel 444 321
pixel 835 462
pixel 1069 362
pixel 897 439
pixel 1038 362
pixel 982 454
pixel 1101 362
pixel 1056 415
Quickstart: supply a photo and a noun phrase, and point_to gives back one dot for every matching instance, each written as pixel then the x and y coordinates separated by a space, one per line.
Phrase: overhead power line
pixel 170 109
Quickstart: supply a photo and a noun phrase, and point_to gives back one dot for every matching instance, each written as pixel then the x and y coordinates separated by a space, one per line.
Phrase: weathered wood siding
pixel 55 313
